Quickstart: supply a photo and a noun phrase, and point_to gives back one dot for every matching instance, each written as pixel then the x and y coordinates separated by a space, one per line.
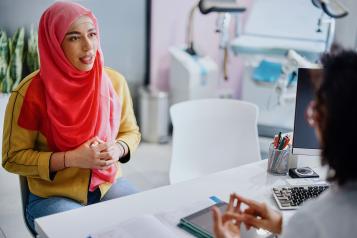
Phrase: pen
pixel 281 145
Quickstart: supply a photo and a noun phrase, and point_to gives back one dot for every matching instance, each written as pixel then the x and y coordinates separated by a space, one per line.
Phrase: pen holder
pixel 278 160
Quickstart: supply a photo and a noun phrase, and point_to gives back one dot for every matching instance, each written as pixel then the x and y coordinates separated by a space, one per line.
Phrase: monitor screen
pixel 304 139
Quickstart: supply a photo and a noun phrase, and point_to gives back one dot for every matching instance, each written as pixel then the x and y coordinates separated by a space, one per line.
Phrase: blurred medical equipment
pixel 273 28
pixel 294 61
pixel 332 8
pixel 208 6
pixel 223 23
pixel 192 75
pixel 225 6
pixel 288 72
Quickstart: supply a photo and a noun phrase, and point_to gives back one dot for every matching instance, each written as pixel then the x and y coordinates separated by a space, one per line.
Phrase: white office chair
pixel 24 197
pixel 211 135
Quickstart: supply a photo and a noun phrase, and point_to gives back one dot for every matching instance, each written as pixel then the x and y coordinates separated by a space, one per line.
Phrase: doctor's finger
pixel 232 216
pixel 230 204
pixel 259 207
pixel 252 221
pixel 237 206
pixel 217 219
pixel 251 211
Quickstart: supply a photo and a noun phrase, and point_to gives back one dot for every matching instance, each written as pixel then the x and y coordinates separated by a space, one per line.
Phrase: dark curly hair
pixel 336 99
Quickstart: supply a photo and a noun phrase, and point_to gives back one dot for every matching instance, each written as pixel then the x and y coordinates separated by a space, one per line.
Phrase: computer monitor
pixel 304 139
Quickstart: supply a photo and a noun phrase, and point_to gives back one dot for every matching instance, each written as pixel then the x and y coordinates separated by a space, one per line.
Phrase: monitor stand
pixel 298 161
pixel 293 161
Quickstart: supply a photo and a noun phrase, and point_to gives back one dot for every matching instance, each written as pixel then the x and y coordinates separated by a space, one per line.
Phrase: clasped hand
pixel 257 215
pixel 94 154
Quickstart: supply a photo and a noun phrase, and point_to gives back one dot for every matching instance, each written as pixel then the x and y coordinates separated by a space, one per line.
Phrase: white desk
pixel 249 180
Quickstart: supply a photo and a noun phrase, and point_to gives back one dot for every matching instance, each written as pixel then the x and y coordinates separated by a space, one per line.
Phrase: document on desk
pixel 137 227
pixel 163 224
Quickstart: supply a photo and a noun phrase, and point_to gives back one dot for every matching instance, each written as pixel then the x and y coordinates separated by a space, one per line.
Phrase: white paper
pixel 137 227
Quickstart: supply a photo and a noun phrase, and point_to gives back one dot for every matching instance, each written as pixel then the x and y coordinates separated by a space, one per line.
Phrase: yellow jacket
pixel 25 152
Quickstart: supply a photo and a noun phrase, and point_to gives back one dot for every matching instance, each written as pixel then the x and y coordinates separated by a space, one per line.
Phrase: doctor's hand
pixel 223 226
pixel 258 215
pixel 88 156
pixel 227 226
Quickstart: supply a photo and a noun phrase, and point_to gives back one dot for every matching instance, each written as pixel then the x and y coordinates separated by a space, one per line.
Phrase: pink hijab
pixel 77 105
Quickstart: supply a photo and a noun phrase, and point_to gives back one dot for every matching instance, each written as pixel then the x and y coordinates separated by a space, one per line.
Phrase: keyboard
pixel 291 197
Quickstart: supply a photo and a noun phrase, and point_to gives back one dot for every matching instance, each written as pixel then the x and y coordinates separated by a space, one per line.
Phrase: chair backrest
pixel 211 135
pixel 24 197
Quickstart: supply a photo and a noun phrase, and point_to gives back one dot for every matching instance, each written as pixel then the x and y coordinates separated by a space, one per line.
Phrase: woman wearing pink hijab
pixel 70 124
